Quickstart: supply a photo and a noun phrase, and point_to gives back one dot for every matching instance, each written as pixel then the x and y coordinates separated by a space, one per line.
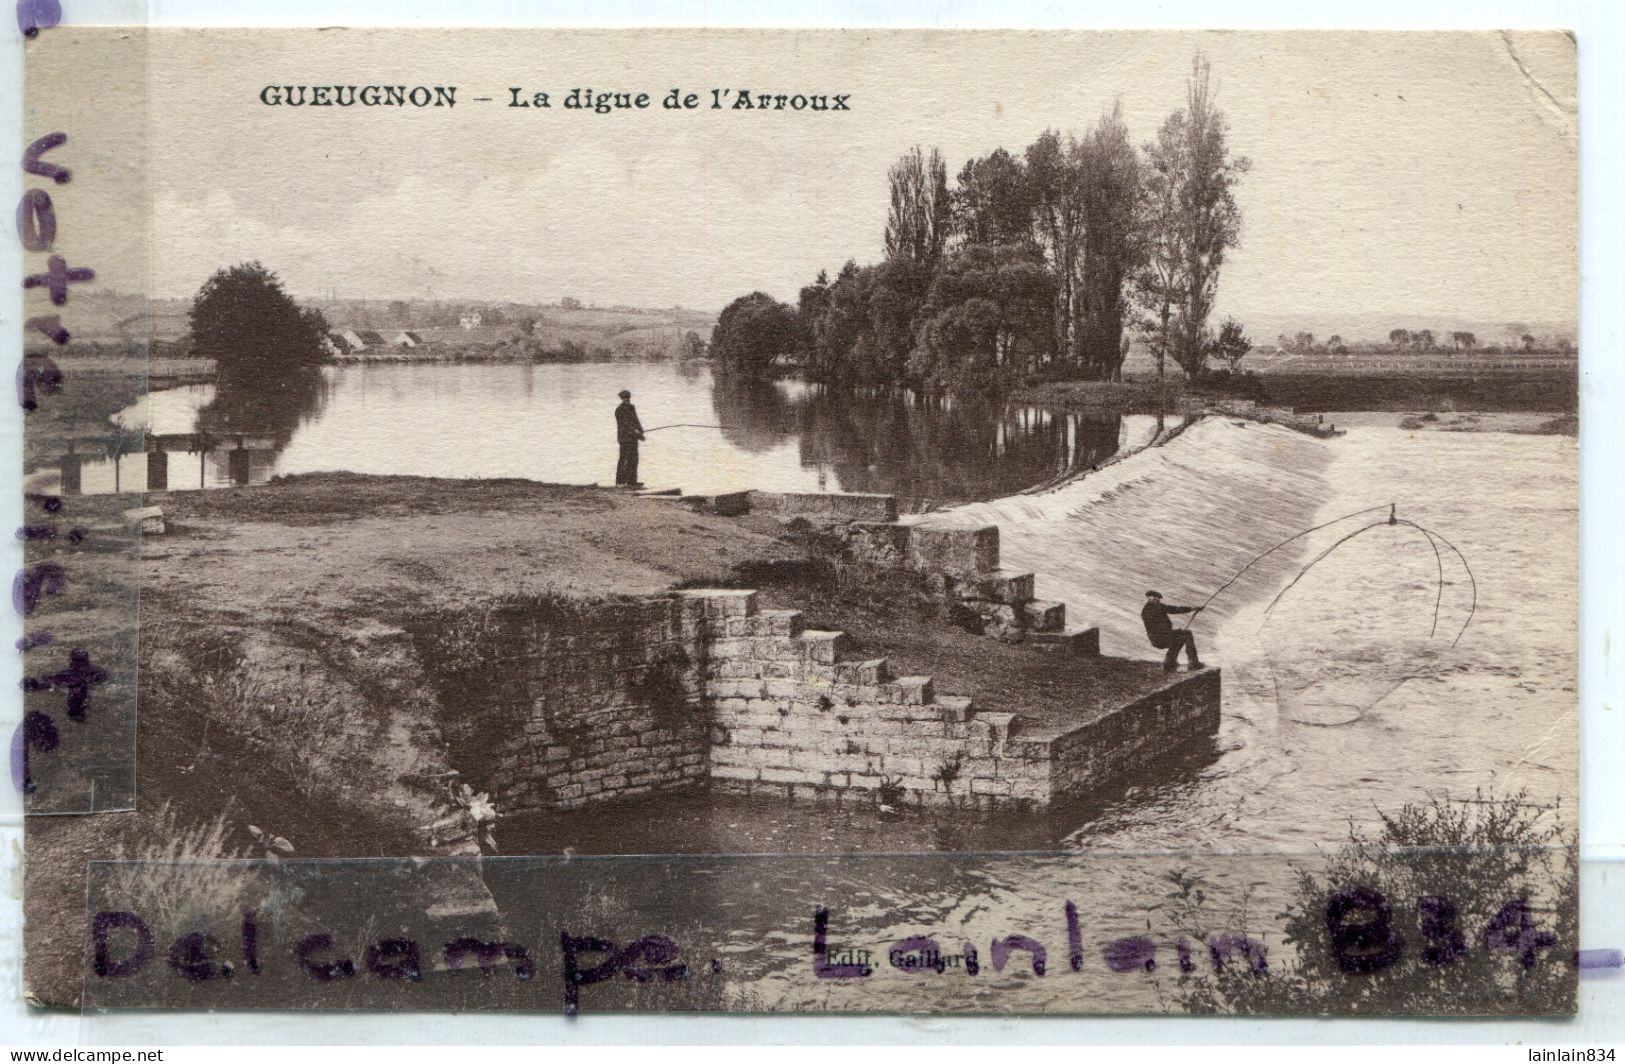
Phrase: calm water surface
pixel 554 423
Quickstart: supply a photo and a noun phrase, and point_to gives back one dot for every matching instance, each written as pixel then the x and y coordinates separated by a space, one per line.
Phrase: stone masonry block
pixel 765 623
pixel 954 707
pixel 911 690
pixel 828 506
pixel 782 688
pixel 1041 616
pixel 737 688
pixel 824 647
pixel 867 673
pixel 958 551
pixel 1077 640
pixel 775 648
pixel 721 603
pixel 1005 585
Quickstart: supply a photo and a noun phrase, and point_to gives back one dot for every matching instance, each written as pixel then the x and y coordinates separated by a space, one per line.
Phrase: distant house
pixel 470 321
pixel 370 338
pixel 334 344
pixel 406 338
pixel 345 341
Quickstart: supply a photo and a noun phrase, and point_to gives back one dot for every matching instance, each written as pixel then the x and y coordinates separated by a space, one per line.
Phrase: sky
pixel 1401 173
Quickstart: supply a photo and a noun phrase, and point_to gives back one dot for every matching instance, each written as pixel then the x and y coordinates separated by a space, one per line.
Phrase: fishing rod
pixel 693 425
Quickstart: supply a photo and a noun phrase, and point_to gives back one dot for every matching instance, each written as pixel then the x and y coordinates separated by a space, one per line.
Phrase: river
pixel 1391 671
pixel 553 422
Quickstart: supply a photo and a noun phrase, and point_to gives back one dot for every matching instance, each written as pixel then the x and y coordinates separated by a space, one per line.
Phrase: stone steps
pixel 1040 616
pixel 1076 639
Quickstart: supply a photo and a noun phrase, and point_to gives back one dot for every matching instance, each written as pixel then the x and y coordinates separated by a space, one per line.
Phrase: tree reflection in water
pixel 903 443
pixel 261 405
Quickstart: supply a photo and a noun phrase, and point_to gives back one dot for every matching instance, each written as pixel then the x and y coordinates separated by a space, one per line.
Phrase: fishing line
pixel 1272 550
pixel 1433 539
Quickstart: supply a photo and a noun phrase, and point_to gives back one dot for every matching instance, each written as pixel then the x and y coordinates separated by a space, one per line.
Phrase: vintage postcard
pixel 836 521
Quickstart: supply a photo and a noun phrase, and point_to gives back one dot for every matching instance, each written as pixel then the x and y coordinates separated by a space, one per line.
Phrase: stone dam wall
pixel 705 689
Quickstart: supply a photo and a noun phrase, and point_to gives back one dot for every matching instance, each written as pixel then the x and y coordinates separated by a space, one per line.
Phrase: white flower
pixel 480 808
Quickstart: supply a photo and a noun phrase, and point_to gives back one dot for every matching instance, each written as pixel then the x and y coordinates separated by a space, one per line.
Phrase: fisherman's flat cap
pixel 625 394
pixel 1153 594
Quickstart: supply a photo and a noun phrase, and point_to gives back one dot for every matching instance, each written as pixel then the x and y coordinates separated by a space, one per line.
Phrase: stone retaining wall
pixel 702 688
pixel 606 706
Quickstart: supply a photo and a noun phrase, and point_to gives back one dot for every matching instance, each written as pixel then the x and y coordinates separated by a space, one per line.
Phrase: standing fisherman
pixel 1162 634
pixel 628 431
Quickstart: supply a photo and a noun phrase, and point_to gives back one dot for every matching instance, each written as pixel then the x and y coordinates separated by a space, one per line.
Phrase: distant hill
pixel 624 332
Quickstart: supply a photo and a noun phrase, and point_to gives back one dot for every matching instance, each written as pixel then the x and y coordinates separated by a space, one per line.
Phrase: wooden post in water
pixel 237 463
pixel 71 466
pixel 157 470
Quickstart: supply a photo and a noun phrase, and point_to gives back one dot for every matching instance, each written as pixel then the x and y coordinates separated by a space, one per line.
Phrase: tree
pixel 1463 341
pixel 1303 341
pixel 1528 342
pixel 1055 183
pixel 1111 244
pixel 1335 345
pixel 752 331
pixel 399 312
pixel 243 319
pixel 1190 220
pixel 691 347
pixel 1400 338
pixel 570 303
pixel 1422 340
pixel 811 303
pixel 839 330
pixel 991 204
pixel 1232 344
pixel 986 319
pixel 920 220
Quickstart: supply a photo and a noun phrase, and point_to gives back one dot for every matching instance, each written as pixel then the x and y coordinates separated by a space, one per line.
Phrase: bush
pixel 1455 907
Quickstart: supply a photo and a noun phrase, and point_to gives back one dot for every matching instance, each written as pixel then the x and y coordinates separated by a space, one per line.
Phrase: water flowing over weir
pixel 1165 520
pixel 1342 690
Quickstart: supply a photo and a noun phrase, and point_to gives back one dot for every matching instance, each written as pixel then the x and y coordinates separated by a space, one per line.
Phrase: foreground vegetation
pixel 1454 906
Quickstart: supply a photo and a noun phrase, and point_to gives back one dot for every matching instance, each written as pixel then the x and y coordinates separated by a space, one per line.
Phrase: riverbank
pixel 284 635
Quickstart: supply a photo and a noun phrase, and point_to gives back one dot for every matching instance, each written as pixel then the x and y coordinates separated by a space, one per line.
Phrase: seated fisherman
pixel 1163 634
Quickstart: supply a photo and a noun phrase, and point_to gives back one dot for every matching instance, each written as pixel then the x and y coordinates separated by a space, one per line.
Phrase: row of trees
pixel 1042 262
pixel 1421 341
